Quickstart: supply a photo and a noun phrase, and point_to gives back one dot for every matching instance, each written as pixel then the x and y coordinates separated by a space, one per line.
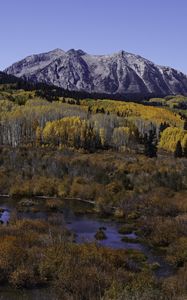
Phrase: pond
pixel 85 225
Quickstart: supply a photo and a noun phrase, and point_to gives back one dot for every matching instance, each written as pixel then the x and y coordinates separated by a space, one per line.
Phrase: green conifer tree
pixel 178 150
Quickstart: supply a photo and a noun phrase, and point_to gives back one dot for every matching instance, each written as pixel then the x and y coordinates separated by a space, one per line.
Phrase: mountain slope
pixel 120 73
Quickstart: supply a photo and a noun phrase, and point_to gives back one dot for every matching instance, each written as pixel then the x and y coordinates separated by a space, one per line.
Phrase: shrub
pixel 23 277
pixel 54 204
pixel 177 252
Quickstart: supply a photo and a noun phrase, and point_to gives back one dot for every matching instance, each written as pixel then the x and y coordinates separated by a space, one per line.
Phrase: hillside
pixel 109 124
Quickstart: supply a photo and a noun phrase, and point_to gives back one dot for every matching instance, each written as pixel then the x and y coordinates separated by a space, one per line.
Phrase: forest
pixel 128 159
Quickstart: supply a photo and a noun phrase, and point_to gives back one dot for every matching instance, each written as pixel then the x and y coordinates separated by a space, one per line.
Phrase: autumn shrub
pixel 22 277
pixel 177 252
pixel 54 204
pixel 4 182
pixel 160 231
pixel 21 189
pixel 11 255
pixel 114 187
pixel 81 188
pixel 21 245
pixel 175 287
pixel 84 271
pixel 43 186
pixel 62 190
pixel 27 225
pixel 160 202
pixel 141 287
pixel 103 205
pixel 56 219
pixel 180 200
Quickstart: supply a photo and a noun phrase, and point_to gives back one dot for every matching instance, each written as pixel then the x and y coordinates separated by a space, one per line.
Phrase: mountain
pixel 121 73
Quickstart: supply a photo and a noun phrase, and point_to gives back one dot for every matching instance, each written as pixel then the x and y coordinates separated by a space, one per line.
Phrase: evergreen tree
pixel 163 126
pixel 185 124
pixel 178 150
pixel 150 144
pixel 185 150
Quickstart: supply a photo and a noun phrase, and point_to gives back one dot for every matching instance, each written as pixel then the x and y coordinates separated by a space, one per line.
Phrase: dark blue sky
pixel 155 29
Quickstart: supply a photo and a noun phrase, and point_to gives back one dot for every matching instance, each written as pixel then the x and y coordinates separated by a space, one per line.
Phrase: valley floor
pixel 145 196
pixel 125 164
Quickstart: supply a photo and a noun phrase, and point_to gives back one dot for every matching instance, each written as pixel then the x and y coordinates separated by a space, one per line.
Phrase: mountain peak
pixel 77 52
pixel 57 50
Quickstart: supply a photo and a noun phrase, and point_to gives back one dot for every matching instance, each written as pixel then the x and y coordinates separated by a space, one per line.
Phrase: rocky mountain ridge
pixel 120 73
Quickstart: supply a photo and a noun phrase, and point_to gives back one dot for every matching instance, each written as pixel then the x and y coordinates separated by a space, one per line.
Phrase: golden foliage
pixel 171 136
